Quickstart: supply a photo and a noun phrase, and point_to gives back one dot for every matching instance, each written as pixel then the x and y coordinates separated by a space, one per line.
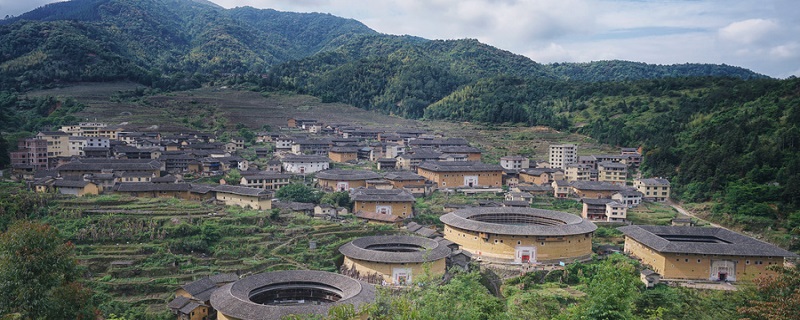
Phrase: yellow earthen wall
pixel 456 179
pixel 571 247
pixel 686 266
pixel 437 268
pixel 400 209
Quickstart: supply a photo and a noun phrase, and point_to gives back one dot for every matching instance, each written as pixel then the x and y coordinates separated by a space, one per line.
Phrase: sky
pixel 760 35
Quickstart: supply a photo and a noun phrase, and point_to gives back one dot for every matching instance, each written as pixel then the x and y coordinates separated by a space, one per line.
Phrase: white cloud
pixel 749 31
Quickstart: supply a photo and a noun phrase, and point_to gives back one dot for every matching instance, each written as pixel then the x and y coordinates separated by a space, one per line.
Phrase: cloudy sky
pixel 761 35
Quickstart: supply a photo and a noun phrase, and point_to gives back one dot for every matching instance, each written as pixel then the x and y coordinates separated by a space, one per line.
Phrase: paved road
pixel 683 211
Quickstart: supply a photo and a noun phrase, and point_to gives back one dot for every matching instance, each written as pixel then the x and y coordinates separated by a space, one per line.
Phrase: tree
pixel 339 198
pixel 299 193
pixel 5 158
pixel 38 275
pixel 611 291
pixel 234 177
pixel 777 296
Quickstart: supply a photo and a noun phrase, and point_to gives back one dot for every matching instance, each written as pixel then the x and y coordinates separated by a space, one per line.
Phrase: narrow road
pixel 683 211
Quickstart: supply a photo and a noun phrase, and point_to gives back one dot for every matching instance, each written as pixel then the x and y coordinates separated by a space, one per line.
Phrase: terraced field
pixel 141 250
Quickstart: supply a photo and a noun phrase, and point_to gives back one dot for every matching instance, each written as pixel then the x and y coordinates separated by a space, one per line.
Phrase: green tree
pixel 777 296
pixel 38 275
pixel 611 291
pixel 234 177
pixel 299 193
pixel 5 158
pixel 339 198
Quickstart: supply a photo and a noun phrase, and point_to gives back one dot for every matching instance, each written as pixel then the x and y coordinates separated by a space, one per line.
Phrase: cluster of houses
pixel 94 158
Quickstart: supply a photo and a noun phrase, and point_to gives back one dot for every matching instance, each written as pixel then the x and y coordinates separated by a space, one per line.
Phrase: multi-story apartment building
pixel 563 154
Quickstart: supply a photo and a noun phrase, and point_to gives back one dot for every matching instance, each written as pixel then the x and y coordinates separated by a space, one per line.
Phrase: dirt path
pixel 685 212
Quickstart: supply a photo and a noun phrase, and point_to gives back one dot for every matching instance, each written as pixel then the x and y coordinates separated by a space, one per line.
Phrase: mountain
pixel 152 40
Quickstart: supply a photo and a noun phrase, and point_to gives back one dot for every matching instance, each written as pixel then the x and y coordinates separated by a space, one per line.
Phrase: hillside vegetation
pixel 719 132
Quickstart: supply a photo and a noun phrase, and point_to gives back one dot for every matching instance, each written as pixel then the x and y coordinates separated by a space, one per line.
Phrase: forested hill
pixel 181 42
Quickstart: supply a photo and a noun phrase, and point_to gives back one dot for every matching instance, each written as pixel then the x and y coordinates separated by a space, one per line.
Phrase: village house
pixel 344 180
pixel 562 154
pixel 535 189
pixel 580 172
pixel 519 196
pixel 412 159
pixel 31 152
pixel 514 162
pixel 629 197
pixel 510 177
pixel 612 172
pixel 265 180
pixel 696 253
pixel 604 210
pixel 343 154
pixel 656 189
pixel 244 197
pixel 284 143
pixel 471 153
pixel 387 164
pixel 594 189
pixel 304 163
pixel 76 188
pixel 80 167
pixel 57 143
pixel 540 176
pixel 398 202
pixel 446 174
pixel 193 300
pixel 299 122
pixel 319 147
pixel 562 188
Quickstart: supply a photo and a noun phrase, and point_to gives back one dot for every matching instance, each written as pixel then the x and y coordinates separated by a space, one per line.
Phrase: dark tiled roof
pixel 61 183
pixel 189 307
pixel 398 195
pixel 615 165
pixel 112 164
pixel 244 191
pixel 421 154
pixel 596 202
pixel 655 182
pixel 459 149
pixel 737 244
pixel 513 158
pixel 150 187
pixel 178 302
pixel 555 223
pixel 458 166
pixel 403 176
pixel 200 289
pixel 347 175
pixel 539 171
pixel 595 186
pixel 305 158
pixel 365 249
pixel 267 176
pixel 233 299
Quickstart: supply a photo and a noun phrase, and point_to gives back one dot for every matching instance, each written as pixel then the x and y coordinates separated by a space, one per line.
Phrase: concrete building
pixel 656 189
pixel 562 154
pixel 612 172
pixel 696 253
pixel 520 235
pixel 305 164
pixel 393 260
pixel 57 143
pixel 514 162
pixel 30 153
